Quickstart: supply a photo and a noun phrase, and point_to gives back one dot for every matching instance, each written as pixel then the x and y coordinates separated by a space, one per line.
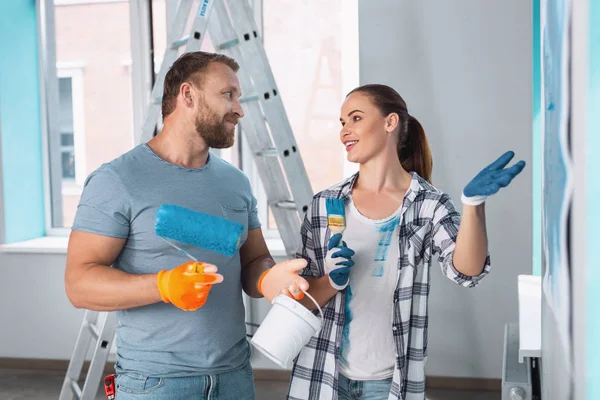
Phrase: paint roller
pixel 199 229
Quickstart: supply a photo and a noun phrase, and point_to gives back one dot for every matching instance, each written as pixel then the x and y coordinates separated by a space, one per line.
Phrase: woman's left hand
pixel 491 179
pixel 338 262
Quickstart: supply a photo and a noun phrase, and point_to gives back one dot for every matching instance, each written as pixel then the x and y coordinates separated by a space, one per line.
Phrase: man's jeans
pixel 234 385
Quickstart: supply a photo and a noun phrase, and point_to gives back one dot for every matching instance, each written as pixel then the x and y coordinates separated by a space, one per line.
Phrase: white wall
pixel 37 320
pixel 464 69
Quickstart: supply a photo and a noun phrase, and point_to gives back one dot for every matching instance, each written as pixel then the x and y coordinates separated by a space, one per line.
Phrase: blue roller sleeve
pixel 198 229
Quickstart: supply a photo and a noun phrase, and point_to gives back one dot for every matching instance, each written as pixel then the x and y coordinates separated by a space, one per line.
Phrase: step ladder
pixel 265 126
pixel 98 327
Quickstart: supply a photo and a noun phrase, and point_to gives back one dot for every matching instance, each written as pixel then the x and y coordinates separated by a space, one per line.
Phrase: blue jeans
pixel 363 390
pixel 234 385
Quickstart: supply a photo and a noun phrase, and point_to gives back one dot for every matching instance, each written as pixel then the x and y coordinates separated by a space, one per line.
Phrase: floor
pixel 42 385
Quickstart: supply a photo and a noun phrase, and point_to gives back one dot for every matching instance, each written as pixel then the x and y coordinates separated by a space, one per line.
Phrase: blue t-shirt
pixel 120 200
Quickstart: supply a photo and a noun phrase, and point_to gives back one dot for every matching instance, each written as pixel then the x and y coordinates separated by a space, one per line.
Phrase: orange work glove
pixel 187 286
pixel 283 278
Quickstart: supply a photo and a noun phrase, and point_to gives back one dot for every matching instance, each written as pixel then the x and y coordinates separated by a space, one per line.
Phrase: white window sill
pixel 42 245
pixel 71 189
pixel 58 245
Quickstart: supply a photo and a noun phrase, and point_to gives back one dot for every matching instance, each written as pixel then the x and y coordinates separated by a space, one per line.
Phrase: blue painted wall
pixel 593 211
pixel 20 124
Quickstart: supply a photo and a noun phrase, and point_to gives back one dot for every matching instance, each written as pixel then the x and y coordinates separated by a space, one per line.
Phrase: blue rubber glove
pixel 338 262
pixel 491 179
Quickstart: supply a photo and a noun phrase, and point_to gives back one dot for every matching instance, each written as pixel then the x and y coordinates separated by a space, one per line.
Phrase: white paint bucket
pixel 286 329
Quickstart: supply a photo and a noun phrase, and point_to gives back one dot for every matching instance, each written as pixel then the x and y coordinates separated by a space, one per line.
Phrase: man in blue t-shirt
pixel 164 351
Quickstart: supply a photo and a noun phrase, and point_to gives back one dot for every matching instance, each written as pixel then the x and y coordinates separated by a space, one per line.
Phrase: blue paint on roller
pixel 198 229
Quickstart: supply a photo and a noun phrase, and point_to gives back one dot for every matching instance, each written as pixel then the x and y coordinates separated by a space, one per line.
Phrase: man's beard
pixel 215 131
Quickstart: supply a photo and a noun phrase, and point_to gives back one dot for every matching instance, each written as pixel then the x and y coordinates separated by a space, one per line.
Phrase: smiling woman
pixel 395 224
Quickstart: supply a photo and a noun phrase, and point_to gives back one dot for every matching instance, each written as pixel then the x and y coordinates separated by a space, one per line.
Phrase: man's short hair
pixel 189 67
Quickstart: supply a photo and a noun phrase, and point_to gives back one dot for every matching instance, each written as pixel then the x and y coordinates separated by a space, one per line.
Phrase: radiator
pixel 516 376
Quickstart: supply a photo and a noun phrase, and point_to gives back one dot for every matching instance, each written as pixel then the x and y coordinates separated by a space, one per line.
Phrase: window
pixel 94 110
pixel 95 95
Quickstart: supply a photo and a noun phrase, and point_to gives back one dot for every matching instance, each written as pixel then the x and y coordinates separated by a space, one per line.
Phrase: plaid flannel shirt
pixel 428 226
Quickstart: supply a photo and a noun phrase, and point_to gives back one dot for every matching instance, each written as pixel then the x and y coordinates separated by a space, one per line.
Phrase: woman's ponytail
pixel 413 150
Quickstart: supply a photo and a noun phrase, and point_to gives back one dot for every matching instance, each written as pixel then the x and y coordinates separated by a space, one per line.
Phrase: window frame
pixel 50 124
pixel 74 71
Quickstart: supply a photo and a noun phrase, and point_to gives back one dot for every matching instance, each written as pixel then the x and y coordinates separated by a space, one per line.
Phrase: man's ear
pixel 187 94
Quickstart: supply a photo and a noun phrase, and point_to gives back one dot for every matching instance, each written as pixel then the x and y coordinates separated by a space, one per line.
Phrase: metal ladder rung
pixel 285 204
pixel 269 152
pixel 228 44
pixel 76 389
pixel 181 42
pixel 93 330
pixel 272 152
pixel 247 99
pixel 184 41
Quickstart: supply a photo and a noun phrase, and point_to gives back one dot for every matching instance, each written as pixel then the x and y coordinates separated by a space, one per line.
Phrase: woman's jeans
pixel 363 390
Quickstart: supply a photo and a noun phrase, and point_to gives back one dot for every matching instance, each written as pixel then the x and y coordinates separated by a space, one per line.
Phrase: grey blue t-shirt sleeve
pixel 105 207
pixel 253 221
